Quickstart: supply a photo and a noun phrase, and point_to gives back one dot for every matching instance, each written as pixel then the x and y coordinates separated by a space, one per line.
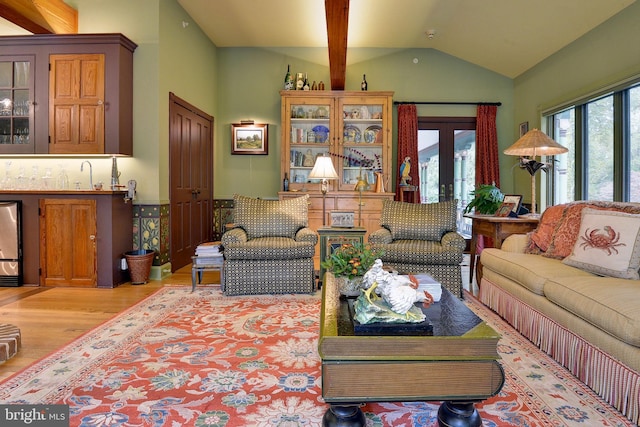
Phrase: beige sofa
pixel 573 308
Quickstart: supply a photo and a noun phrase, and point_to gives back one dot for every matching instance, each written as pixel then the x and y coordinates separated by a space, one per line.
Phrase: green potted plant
pixel 348 264
pixel 487 198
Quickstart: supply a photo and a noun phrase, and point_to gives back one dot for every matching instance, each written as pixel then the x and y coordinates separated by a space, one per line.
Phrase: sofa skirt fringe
pixel 611 380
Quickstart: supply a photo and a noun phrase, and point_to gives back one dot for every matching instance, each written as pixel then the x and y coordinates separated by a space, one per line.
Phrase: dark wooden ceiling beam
pixel 337 12
pixel 41 16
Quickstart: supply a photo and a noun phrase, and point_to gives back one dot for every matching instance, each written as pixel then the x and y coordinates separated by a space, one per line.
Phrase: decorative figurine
pixel 396 301
pixel 405 168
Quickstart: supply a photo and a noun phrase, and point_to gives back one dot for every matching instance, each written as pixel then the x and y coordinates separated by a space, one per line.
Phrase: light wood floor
pixel 49 318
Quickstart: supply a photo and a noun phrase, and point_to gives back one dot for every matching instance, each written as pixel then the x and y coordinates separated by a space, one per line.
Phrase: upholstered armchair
pixel 269 248
pixel 421 238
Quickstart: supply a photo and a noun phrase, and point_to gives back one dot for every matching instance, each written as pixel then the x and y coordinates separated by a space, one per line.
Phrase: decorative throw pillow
pixel 270 218
pixel 543 233
pixel 413 221
pixel 566 232
pixel 608 244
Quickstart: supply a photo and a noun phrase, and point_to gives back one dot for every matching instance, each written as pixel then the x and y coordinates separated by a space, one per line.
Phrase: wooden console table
pixel 409 193
pixel 331 238
pixel 498 228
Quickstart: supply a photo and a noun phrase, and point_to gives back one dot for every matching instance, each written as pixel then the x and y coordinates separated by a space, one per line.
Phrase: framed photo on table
pixel 342 219
pixel 505 209
pixel 249 138
pixel 516 200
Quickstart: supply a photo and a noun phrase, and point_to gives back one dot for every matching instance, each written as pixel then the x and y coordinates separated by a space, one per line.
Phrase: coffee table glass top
pixel 449 316
pixel 457 332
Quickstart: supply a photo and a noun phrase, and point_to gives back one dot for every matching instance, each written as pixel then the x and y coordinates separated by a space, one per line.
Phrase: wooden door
pixel 191 179
pixel 68 242
pixel 76 104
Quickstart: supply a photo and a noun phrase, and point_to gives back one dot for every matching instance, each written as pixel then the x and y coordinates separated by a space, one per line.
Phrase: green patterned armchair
pixel 422 238
pixel 270 249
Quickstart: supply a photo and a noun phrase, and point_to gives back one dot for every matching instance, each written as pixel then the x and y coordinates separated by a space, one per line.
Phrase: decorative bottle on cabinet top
pixel 363 85
pixel 288 80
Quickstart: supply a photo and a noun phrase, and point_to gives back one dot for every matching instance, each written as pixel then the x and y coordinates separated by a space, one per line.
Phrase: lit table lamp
pixel 531 144
pixel 323 170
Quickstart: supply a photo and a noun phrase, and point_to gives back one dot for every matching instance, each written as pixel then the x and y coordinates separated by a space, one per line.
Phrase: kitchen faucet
pixel 90 173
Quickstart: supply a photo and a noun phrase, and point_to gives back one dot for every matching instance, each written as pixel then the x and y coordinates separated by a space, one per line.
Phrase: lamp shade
pixel 535 143
pixel 323 169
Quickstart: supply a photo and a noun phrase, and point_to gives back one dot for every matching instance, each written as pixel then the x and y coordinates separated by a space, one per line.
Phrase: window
pixel 446 162
pixel 603 138
pixel 634 145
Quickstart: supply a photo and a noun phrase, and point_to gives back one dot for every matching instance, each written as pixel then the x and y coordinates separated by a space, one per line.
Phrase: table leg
pixel 344 416
pixel 193 279
pixel 458 414
pixel 472 258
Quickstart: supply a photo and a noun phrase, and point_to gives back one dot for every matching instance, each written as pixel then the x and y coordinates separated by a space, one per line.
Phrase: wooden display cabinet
pixel 354 129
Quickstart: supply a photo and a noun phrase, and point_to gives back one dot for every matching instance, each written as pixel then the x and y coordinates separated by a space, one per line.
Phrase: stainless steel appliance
pixel 10 243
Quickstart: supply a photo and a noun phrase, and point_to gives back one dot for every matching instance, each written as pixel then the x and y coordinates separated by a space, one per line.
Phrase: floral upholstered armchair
pixel 269 249
pixel 422 238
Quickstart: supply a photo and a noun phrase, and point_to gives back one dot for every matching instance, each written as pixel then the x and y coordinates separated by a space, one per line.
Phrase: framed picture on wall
pixel 524 128
pixel 249 138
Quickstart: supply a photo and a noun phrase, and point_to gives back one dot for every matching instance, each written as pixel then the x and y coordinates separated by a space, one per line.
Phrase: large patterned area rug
pixel 203 359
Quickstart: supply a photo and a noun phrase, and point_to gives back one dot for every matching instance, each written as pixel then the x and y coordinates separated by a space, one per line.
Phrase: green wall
pixel 234 84
pixel 187 67
pixel 170 57
pixel 604 57
pixel 249 81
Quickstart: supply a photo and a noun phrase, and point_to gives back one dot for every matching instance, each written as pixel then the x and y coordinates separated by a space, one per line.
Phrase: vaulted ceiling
pixel 505 36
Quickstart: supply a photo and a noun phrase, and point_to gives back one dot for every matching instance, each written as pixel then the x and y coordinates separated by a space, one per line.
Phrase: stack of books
pixel 209 253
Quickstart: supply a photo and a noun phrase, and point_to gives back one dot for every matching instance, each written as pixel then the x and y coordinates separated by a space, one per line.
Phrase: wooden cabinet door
pixel 76 104
pixel 68 242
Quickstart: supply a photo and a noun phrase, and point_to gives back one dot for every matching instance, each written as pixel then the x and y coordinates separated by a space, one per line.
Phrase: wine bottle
pixel 363 85
pixel 305 85
pixel 299 81
pixel 285 183
pixel 288 80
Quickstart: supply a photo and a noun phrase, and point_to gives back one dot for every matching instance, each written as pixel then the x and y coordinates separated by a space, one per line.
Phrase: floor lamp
pixel 531 144
pixel 323 170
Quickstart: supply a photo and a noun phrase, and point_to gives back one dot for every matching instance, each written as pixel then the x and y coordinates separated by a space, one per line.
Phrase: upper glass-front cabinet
pixel 310 136
pixel 353 128
pixel 363 141
pixel 16 104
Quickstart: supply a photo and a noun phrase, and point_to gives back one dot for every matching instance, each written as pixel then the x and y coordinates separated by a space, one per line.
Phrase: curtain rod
pixel 446 103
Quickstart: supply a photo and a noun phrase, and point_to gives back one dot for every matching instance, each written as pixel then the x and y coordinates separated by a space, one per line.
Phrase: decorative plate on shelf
pixel 371 134
pixel 352 134
pixel 322 133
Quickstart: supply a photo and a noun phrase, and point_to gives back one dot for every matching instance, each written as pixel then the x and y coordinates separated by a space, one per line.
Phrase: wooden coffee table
pixel 457 365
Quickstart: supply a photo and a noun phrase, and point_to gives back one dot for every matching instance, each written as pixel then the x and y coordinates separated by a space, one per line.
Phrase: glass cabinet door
pixel 361 147
pixel 309 137
pixel 16 106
